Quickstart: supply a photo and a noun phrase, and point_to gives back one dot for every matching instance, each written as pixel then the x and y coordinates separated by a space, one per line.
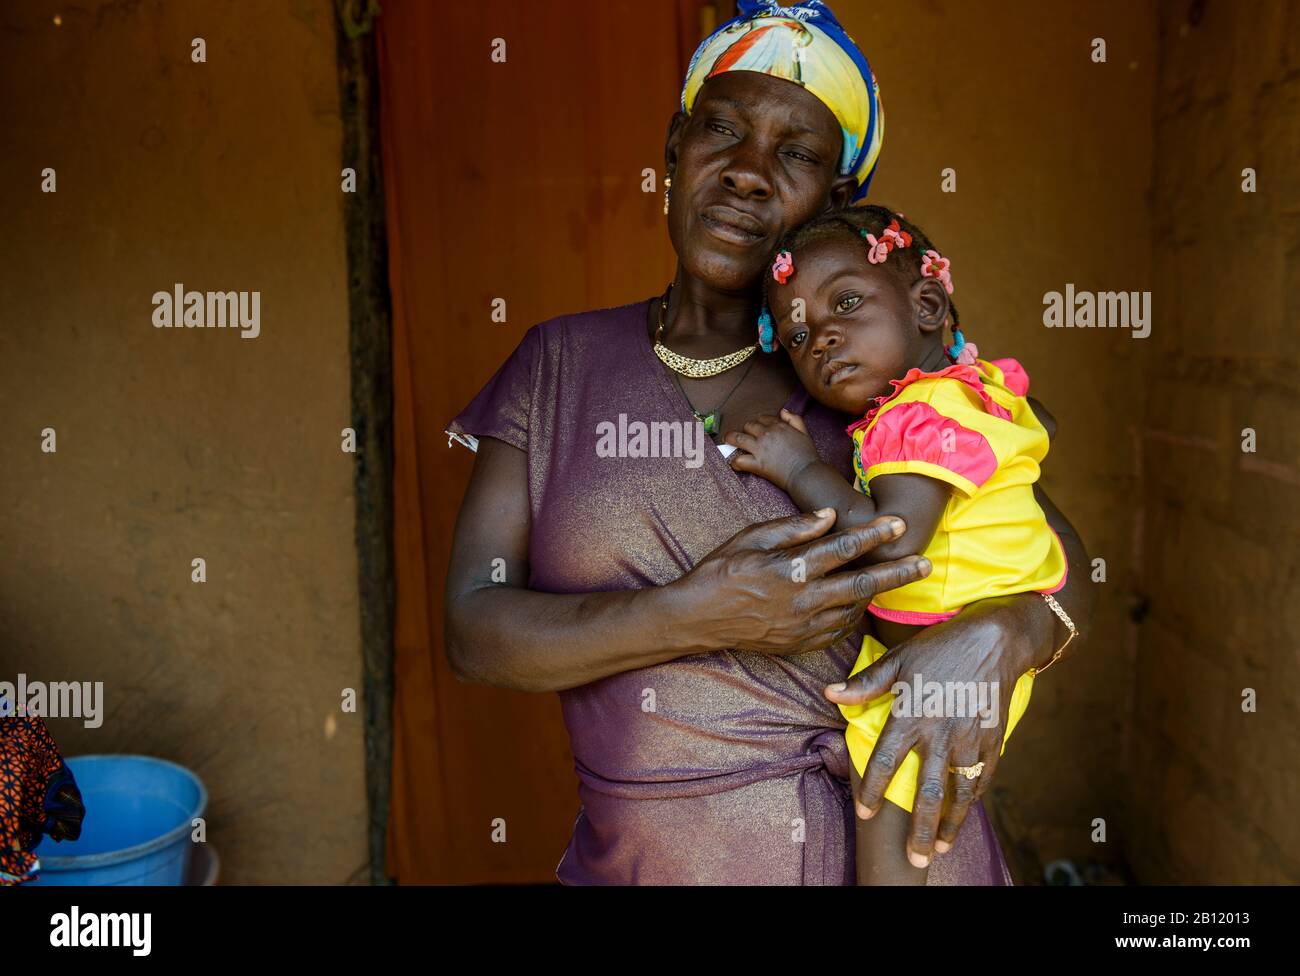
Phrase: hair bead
pixel 766 332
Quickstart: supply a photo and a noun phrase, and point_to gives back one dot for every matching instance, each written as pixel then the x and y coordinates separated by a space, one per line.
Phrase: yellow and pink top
pixel 972 427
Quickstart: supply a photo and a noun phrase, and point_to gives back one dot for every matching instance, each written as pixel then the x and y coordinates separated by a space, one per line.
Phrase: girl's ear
pixel 930 299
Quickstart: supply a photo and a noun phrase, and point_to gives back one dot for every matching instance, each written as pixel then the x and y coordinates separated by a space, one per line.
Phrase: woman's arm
pixel 742 595
pixel 499 632
pixel 1078 597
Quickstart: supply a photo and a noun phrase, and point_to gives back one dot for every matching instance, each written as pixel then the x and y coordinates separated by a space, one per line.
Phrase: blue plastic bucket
pixel 139 814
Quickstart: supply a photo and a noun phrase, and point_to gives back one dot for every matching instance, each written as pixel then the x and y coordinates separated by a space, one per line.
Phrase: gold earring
pixel 668 183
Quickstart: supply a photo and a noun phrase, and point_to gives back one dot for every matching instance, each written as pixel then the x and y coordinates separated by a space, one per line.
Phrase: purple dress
pixel 720 768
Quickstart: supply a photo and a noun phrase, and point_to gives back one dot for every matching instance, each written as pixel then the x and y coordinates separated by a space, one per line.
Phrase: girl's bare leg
pixel 882 845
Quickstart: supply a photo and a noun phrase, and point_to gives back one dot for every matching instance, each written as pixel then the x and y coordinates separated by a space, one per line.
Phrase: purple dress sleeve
pixel 502 408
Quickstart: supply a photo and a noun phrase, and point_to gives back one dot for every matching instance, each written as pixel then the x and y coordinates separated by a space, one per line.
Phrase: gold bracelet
pixel 1065 618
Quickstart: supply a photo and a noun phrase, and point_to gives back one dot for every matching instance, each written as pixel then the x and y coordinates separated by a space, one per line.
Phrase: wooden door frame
pixel 370 353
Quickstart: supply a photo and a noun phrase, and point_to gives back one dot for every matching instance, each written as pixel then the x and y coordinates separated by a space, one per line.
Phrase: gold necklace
pixel 695 368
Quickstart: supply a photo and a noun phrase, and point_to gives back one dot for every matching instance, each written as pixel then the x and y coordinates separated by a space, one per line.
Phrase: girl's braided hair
pixel 856 223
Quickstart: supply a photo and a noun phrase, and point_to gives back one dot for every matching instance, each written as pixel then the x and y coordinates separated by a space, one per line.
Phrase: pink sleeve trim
pixel 915 431
pixel 1065 574
pixel 968 375
pixel 912 616
pixel 1014 377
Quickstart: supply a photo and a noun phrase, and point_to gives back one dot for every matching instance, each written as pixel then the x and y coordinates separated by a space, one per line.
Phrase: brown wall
pixel 1214 788
pixel 174 444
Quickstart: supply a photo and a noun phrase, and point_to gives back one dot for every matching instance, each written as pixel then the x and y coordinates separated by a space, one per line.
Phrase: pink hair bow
pixel 934 265
pixel 895 236
pixel 877 251
pixel 783 267
pixel 969 353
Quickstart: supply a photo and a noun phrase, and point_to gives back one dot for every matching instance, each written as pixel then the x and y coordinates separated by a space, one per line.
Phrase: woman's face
pixel 757 157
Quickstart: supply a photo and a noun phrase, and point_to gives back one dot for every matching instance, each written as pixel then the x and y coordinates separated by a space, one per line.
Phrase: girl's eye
pixel 718 127
pixel 796 340
pixel 848 303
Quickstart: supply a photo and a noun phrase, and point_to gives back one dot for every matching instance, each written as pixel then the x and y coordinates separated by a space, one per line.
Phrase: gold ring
pixel 970 772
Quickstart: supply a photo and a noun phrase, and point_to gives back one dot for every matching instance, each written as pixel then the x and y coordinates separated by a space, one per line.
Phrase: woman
pixel 688 615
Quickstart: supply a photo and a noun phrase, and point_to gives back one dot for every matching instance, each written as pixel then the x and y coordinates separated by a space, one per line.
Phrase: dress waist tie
pixel 823 789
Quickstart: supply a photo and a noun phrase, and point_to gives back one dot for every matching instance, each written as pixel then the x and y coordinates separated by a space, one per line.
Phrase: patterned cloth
pixel 37 796
pixel 804 44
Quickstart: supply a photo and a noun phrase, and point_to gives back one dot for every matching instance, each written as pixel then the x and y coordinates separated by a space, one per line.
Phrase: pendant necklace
pixel 712 420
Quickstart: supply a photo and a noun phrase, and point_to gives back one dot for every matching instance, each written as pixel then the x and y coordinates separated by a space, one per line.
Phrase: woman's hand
pixel 993 641
pixel 773 586
pixel 775 448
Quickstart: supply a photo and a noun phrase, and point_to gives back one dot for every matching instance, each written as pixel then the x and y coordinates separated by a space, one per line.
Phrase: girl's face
pixel 862 325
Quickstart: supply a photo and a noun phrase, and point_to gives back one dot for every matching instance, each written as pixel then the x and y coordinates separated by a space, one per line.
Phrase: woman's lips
pixel 732 226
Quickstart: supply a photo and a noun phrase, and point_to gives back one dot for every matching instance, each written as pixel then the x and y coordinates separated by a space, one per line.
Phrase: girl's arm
pixel 918 500
pixel 780 450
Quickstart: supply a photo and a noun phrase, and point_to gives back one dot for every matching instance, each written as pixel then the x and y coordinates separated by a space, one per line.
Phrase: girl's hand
pixel 776 448
pixel 994 641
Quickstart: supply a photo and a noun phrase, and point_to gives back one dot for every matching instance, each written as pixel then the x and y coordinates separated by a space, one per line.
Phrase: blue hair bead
pixel 765 330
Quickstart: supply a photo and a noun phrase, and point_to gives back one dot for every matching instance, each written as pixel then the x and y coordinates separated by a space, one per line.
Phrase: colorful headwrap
pixel 805 44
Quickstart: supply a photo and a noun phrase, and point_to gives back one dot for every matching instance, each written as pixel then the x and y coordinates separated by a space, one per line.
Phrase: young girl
pixel 946 441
